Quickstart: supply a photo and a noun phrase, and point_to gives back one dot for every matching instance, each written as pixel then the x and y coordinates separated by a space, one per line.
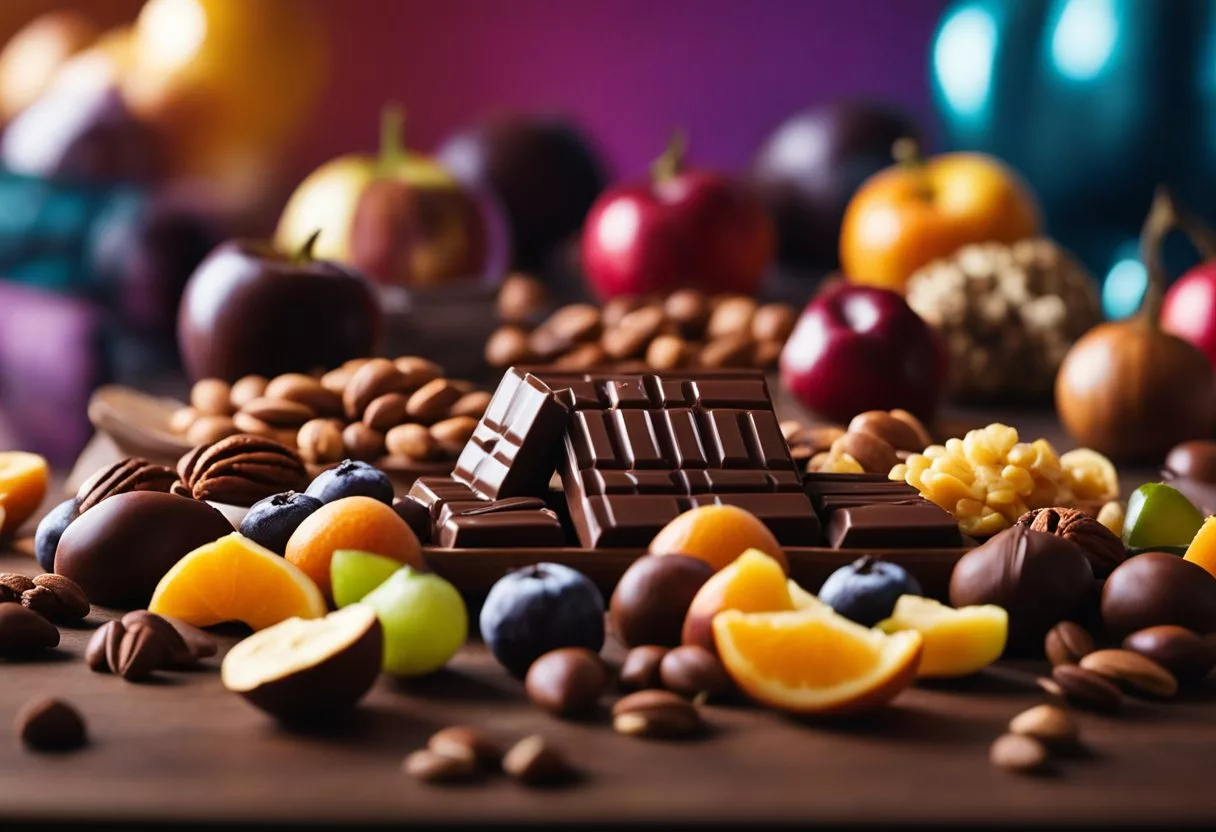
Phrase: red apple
pixel 681 228
pixel 859 348
pixel 252 308
pixel 1189 309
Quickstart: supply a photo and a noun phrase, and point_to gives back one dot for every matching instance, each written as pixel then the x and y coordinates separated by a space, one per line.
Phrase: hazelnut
pixel 182 419
pixel 211 397
pixel 453 433
pixel 246 390
pixel 508 345
pixel 362 443
pixel 412 441
pixel 521 297
pixel 773 322
pixel 667 352
pixel 320 441
pixel 208 430
pixel 384 412
pixel 732 316
pixel 874 455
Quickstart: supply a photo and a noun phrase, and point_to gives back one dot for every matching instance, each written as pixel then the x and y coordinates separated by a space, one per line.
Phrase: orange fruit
pixel 351 523
pixel 235 579
pixel 755 582
pixel 717 535
pixel 23 482
pixel 1202 549
pixel 958 642
pixel 810 662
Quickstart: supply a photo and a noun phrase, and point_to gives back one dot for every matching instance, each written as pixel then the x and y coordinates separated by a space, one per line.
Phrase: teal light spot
pixel 1123 289
pixel 963 56
pixel 1084 38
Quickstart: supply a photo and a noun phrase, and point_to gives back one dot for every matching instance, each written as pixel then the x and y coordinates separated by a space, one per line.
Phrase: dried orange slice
pixel 958 642
pixel 23 482
pixel 809 662
pixel 235 579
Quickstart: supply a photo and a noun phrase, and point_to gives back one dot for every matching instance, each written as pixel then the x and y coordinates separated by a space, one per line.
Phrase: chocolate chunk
pixel 911 524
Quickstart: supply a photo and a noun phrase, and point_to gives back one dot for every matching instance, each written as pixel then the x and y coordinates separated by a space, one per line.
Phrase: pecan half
pixel 1102 547
pixel 131 474
pixel 241 470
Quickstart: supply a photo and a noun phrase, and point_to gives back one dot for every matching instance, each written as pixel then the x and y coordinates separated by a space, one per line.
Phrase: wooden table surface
pixel 183 748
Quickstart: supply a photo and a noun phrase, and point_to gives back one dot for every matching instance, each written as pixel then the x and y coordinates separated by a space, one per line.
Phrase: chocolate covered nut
pixel 50 725
pixel 656 714
pixel 651 600
pixel 431 767
pixel 141 652
pixel 506 346
pixel 566 682
pixel 177 651
pixel 307 391
pixel 278 413
pixel 1102 546
pixel 731 317
pixel 1084 688
pixel 471 404
pixel 640 670
pixel 453 433
pixel 569 326
pixel 727 351
pixel 432 401
pixel 211 397
pixel 896 433
pixel 362 443
pixel 199 643
pixel 24 632
pixel 875 455
pixel 773 322
pixel 469 742
pixel 1049 724
pixel 1133 672
pixel 375 378
pixel 1019 754
pixel 16 584
pixel 582 357
pixel 631 335
pixel 413 441
pixel 1067 643
pixel 691 670
pixel 319 441
pixel 207 430
pixel 534 762
pixel 182 418
pixel 246 389
pixel 521 297
pixel 57 599
pixel 688 309
pixel 1195 459
pixel 1188 656
pixel 384 412
pixel 101 653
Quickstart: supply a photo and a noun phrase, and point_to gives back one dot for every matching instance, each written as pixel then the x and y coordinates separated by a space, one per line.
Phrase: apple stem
pixel 392 136
pixel 304 254
pixel 1165 216
pixel 671 162
pixel 906 152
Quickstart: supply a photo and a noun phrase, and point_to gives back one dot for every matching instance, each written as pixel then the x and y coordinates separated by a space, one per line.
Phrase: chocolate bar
pixel 517 444
pixel 460 518
pixel 642 449
pixel 865 511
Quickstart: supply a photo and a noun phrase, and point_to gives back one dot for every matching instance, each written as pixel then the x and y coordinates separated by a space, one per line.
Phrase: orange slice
pixel 809 662
pixel 23 482
pixel 235 579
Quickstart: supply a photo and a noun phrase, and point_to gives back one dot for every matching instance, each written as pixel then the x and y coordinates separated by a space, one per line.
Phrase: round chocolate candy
pixel 1040 579
pixel 1158 588
pixel 1195 460
pixel 653 597
pixel 119 550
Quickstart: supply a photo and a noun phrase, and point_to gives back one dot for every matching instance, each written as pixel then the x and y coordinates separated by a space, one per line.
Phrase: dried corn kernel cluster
pixel 989 478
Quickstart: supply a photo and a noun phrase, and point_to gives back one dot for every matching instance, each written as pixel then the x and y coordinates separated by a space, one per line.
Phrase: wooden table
pixel 183 748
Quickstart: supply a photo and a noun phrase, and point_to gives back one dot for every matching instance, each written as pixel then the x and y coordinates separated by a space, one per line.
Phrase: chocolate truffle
pixel 1159 588
pixel 1195 460
pixel 119 550
pixel 1040 579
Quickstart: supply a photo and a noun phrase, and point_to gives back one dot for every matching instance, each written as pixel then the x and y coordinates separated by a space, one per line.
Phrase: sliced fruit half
pixel 807 662
pixel 958 642
pixel 804 600
pixel 23 483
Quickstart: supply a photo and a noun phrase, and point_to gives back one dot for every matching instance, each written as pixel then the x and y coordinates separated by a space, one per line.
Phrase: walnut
pixel 1102 547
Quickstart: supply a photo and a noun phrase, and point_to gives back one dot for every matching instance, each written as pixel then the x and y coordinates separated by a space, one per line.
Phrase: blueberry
pixel 352 478
pixel 540 608
pixel 271 521
pixel 46 538
pixel 866 590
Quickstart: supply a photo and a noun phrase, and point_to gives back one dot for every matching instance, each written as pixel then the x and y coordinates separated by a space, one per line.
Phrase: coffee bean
pixel 24 632
pixel 534 762
pixel 567 681
pixel 1085 688
pixel 691 670
pixel 1133 672
pixel 1189 656
pixel 1019 754
pixel 640 670
pixel 50 725
pixel 1067 643
pixel 1048 724
pixel 431 767
pixel 466 741
pixel 656 714
pixel 101 654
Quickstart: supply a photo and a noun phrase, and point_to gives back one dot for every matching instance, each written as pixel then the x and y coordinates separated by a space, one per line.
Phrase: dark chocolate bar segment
pixel 513 522
pixel 916 524
pixel 517 444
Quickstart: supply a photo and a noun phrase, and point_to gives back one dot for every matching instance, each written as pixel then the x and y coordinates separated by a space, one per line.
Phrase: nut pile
pixel 362 410
pixel 873 443
pixel 461 754
pixel 685 329
pixel 989 478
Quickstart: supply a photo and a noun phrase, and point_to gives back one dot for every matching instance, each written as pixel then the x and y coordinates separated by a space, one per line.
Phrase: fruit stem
pixel 1163 217
pixel 671 162
pixel 304 253
pixel 906 152
pixel 865 565
pixel 392 137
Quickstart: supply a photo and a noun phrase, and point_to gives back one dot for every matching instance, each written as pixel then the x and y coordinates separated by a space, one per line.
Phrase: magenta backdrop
pixel 629 70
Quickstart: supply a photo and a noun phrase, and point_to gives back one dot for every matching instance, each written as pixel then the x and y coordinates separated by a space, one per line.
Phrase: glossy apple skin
pixel 811 165
pixel 1189 308
pixel 858 348
pixel 697 229
pixel 250 309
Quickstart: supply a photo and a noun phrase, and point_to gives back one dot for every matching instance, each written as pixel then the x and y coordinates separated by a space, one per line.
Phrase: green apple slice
pixel 1158 516
pixel 354 574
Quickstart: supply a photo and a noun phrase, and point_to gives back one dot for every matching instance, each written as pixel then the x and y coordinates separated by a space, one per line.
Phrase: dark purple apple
pixel 809 167
pixel 858 348
pixel 544 172
pixel 81 134
pixel 249 308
